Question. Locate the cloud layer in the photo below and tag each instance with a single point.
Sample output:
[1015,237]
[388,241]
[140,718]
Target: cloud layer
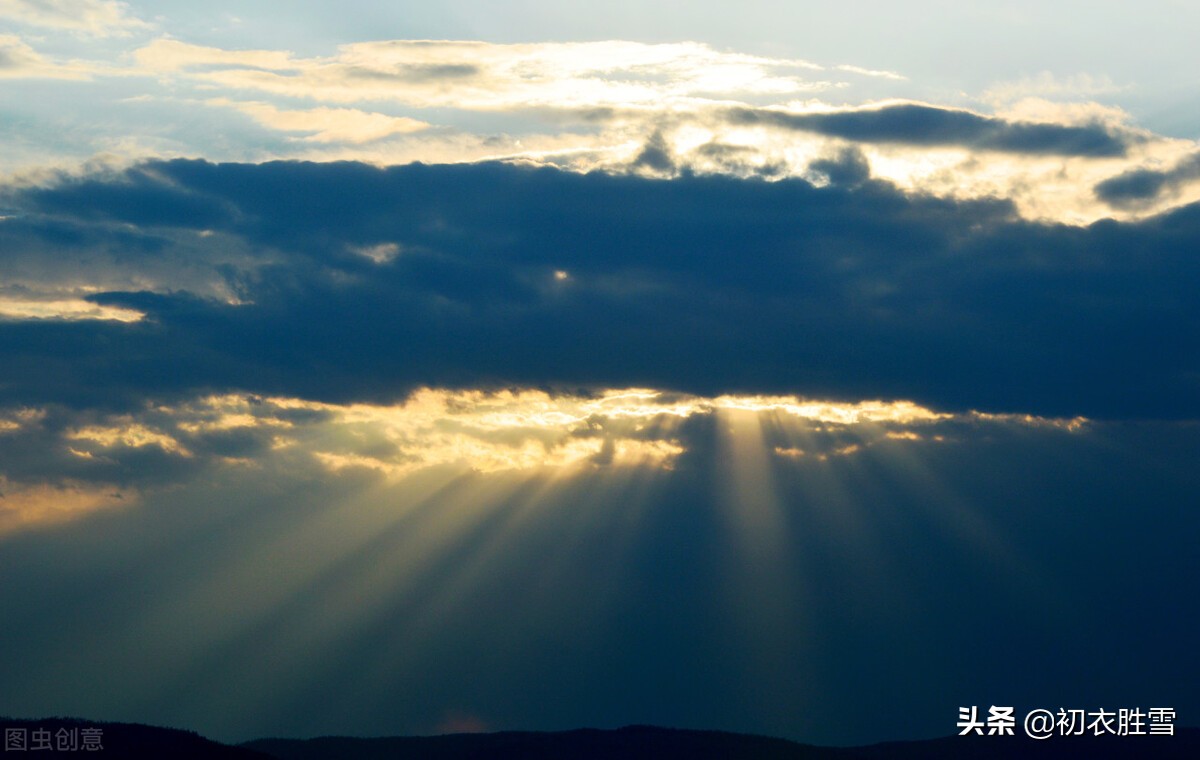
[253,277]
[606,105]
[98,18]
[484,76]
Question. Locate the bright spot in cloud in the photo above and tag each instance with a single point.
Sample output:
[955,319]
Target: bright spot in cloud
[132,434]
[523,429]
[901,412]
[380,253]
[70,309]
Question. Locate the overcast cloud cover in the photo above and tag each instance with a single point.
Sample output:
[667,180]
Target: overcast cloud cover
[409,372]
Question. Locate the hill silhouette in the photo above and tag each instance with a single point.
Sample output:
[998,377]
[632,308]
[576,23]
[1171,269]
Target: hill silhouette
[131,740]
[118,740]
[653,743]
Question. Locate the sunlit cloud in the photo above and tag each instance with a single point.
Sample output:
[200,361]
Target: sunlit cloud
[1153,176]
[31,505]
[485,76]
[483,431]
[28,414]
[1073,424]
[97,18]
[19,419]
[130,434]
[652,109]
[899,412]
[230,421]
[326,125]
[489,432]
[20,61]
[73,309]
[517,430]
[880,73]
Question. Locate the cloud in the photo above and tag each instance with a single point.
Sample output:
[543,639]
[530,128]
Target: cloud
[608,105]
[19,308]
[166,55]
[87,459]
[1143,187]
[655,156]
[923,125]
[97,18]
[484,76]
[347,125]
[54,264]
[20,61]
[705,284]
[849,167]
[27,505]
[872,72]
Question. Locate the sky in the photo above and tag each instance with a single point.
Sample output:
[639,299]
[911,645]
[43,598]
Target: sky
[810,371]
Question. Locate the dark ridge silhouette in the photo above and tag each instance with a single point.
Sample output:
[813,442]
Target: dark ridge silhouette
[1184,744]
[652,743]
[133,740]
[632,742]
[118,740]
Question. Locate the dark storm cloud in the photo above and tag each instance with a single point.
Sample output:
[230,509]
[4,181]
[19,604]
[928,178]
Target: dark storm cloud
[510,275]
[139,195]
[1140,187]
[656,155]
[849,167]
[911,124]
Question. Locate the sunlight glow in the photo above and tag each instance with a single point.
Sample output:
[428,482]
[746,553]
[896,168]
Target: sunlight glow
[624,435]
[485,76]
[24,505]
[72,309]
[493,431]
[326,124]
[132,435]
[900,412]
